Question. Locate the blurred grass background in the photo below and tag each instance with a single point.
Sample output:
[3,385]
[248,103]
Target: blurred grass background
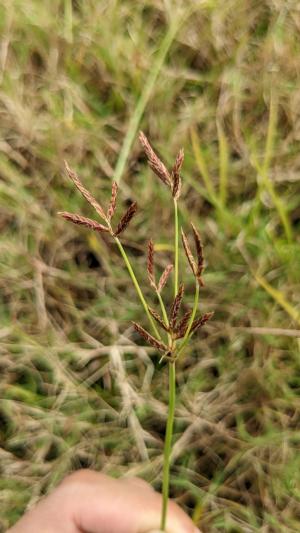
[78,79]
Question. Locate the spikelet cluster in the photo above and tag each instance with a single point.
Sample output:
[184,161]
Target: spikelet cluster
[174,325]
[105,215]
[172,179]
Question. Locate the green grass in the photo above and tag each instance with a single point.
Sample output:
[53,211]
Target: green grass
[78,79]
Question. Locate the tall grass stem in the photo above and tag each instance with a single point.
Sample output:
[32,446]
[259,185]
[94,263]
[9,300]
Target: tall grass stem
[176,247]
[172,389]
[168,444]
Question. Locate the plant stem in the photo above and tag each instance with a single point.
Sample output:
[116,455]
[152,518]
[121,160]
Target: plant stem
[137,287]
[176,247]
[164,313]
[163,309]
[168,444]
[195,307]
[172,388]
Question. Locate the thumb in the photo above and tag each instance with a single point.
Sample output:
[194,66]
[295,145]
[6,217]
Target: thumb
[107,505]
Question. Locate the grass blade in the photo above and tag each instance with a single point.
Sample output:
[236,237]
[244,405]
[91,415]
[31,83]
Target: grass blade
[223,163]
[144,99]
[263,169]
[279,297]
[201,163]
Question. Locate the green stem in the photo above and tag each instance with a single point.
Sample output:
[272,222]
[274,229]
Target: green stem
[172,387]
[137,287]
[176,247]
[195,307]
[168,444]
[163,309]
[165,316]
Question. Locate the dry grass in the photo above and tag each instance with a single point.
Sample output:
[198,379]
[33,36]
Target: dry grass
[76,390]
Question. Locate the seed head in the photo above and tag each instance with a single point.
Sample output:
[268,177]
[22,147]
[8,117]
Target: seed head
[197,267]
[113,201]
[188,252]
[199,251]
[159,345]
[126,218]
[158,319]
[176,306]
[199,322]
[150,264]
[83,221]
[175,174]
[154,162]
[85,193]
[164,277]
[181,328]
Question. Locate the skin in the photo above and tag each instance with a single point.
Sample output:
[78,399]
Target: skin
[91,502]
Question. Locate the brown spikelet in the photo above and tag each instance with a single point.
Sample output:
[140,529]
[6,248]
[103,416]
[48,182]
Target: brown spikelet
[113,200]
[176,306]
[182,325]
[199,322]
[159,345]
[164,277]
[175,174]
[154,162]
[199,251]
[150,264]
[158,319]
[85,193]
[188,253]
[83,221]
[126,218]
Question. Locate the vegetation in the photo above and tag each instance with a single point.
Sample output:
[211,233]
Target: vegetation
[167,342]
[78,387]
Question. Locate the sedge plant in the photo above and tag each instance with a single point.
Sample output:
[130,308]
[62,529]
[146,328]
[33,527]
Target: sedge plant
[169,331]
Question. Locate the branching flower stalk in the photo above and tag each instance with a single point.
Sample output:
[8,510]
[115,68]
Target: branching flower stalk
[175,331]
[137,286]
[100,228]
